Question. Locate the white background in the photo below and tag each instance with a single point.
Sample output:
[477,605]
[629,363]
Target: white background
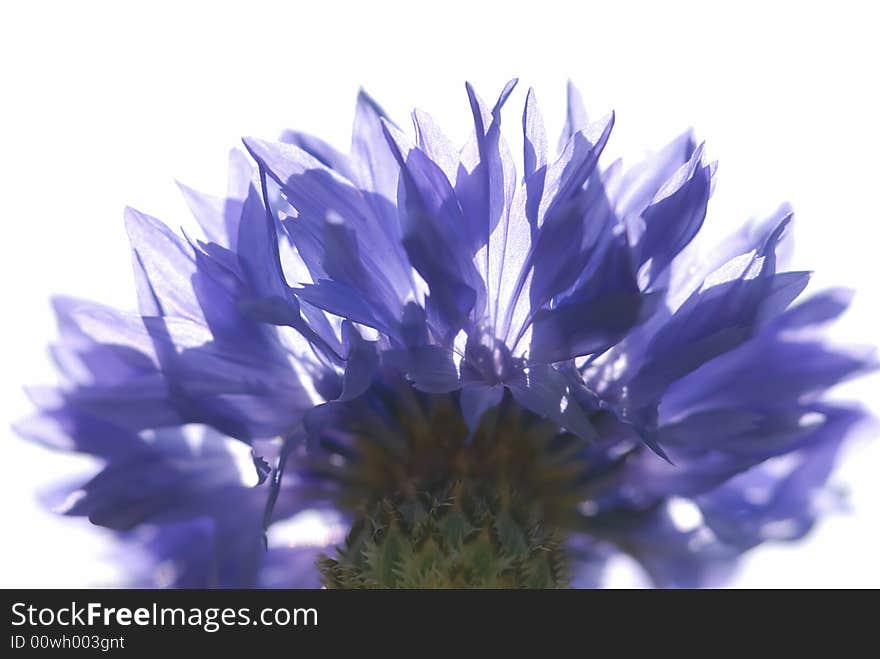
[104,104]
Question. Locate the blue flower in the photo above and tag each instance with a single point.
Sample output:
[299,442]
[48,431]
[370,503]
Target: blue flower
[411,326]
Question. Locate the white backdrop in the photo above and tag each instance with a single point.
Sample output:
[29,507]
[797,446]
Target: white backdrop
[104,104]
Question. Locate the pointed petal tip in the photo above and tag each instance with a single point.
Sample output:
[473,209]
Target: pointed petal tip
[785,210]
[22,427]
[365,100]
[134,218]
[190,194]
[843,295]
[651,443]
[252,143]
[63,302]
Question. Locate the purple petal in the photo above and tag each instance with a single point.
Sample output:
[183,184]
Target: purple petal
[675,215]
[770,504]
[575,116]
[476,400]
[362,362]
[433,239]
[545,391]
[327,155]
[640,184]
[430,368]
[166,267]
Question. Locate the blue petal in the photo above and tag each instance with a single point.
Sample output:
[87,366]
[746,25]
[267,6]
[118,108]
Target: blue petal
[576,118]
[545,391]
[534,156]
[570,172]
[362,362]
[219,217]
[714,321]
[769,504]
[152,372]
[258,251]
[476,400]
[377,176]
[672,558]
[431,139]
[344,262]
[675,215]
[572,225]
[604,301]
[640,184]
[198,553]
[773,369]
[486,192]
[344,301]
[167,265]
[320,194]
[375,163]
[327,155]
[69,429]
[430,368]
[583,326]
[433,240]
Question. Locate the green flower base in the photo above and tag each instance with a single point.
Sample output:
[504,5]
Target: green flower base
[455,539]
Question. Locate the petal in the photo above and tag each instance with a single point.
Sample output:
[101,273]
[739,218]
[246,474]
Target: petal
[166,267]
[711,323]
[675,215]
[570,172]
[778,501]
[362,362]
[485,190]
[717,319]
[476,400]
[534,157]
[433,239]
[545,391]
[431,139]
[321,151]
[584,326]
[68,429]
[567,241]
[575,116]
[258,251]
[163,480]
[219,216]
[375,163]
[671,557]
[319,194]
[640,184]
[430,368]
[572,222]
[378,175]
[344,301]
[769,371]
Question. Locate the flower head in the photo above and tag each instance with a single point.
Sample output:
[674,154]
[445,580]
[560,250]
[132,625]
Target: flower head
[457,359]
